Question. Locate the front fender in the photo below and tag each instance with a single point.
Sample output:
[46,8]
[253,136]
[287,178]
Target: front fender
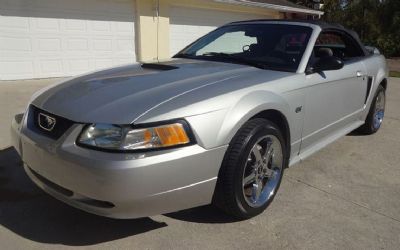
[246,108]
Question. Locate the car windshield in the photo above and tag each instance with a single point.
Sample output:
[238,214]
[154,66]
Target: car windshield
[267,46]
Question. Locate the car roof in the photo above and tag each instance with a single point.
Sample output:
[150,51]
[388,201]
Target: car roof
[322,24]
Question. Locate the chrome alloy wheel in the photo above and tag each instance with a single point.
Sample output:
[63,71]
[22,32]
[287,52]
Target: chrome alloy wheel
[379,110]
[263,171]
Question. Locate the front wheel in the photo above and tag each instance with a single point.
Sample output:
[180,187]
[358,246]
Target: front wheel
[376,113]
[252,169]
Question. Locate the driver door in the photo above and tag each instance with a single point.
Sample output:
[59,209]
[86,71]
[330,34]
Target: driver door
[334,99]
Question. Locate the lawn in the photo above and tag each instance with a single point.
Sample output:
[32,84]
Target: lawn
[394,74]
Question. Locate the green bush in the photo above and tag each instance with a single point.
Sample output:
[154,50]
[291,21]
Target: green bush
[389,45]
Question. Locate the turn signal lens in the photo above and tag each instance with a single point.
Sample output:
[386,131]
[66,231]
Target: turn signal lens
[172,135]
[156,137]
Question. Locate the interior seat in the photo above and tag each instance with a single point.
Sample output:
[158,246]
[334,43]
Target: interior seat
[323,52]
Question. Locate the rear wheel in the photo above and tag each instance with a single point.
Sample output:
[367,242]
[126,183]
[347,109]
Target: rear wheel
[376,113]
[252,169]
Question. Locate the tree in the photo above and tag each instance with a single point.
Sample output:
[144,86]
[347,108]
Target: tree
[334,10]
[376,21]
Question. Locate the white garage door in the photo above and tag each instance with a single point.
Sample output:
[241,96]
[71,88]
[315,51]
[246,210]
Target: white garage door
[53,38]
[188,24]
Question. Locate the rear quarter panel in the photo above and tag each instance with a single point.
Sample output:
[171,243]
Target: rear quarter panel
[376,67]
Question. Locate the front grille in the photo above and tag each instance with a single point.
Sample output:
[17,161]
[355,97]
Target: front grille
[55,132]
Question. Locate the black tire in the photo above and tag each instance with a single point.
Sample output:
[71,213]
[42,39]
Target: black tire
[369,128]
[229,195]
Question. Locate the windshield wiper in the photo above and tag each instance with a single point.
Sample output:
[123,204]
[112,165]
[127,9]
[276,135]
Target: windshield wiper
[184,55]
[234,59]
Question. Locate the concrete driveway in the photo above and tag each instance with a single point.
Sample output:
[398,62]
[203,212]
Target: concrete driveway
[347,196]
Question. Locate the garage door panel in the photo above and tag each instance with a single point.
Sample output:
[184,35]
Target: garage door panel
[102,45]
[16,24]
[47,24]
[124,27]
[189,24]
[77,44]
[70,9]
[103,63]
[51,66]
[125,45]
[16,66]
[46,38]
[75,26]
[15,43]
[49,45]
[78,65]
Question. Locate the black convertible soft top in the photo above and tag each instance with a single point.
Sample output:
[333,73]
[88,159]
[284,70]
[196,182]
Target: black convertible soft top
[323,25]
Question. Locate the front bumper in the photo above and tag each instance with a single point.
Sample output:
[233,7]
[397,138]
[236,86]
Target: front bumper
[114,184]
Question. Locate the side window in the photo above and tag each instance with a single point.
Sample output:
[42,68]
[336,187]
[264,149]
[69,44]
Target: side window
[340,45]
[330,39]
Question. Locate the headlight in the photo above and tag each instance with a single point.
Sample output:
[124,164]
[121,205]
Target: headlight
[127,138]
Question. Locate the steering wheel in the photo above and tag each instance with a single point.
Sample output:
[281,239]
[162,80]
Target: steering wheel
[246,48]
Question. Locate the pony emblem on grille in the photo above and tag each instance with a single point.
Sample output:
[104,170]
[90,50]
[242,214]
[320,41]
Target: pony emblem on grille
[46,122]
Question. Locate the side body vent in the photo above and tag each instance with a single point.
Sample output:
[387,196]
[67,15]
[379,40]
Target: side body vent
[369,86]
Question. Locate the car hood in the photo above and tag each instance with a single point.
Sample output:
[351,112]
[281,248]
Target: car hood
[121,95]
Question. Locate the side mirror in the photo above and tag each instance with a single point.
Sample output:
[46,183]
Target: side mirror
[327,63]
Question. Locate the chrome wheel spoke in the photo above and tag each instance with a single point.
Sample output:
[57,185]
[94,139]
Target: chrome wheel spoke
[269,150]
[268,159]
[257,153]
[256,191]
[249,179]
[269,172]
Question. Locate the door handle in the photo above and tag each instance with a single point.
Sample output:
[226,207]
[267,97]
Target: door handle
[359,74]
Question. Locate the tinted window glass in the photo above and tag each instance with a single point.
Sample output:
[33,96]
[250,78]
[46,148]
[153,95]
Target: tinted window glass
[342,46]
[232,42]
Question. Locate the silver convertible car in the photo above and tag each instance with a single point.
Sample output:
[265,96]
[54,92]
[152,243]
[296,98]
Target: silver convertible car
[218,123]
